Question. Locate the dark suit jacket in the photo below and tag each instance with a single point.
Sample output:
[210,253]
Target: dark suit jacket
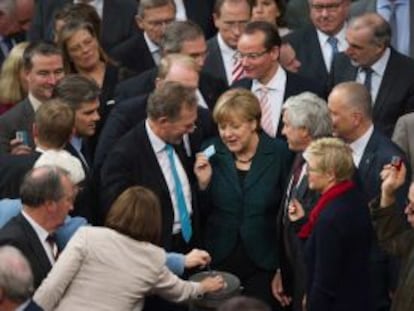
[396,93]
[118,21]
[12,170]
[295,84]
[33,306]
[201,13]
[20,234]
[132,162]
[363,6]
[20,37]
[134,54]
[129,113]
[248,211]
[214,63]
[19,118]
[309,54]
[337,254]
[291,253]
[144,83]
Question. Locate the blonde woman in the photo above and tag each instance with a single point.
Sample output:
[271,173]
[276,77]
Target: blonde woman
[13,87]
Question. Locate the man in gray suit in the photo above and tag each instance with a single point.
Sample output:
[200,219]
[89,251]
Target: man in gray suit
[230,18]
[43,68]
[403,17]
[385,72]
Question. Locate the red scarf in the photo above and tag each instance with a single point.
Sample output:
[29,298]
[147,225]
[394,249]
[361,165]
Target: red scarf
[324,200]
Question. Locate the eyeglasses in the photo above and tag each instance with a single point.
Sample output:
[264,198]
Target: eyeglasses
[250,56]
[330,7]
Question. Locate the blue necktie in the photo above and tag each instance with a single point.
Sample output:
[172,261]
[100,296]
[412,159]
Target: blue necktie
[333,42]
[368,77]
[186,230]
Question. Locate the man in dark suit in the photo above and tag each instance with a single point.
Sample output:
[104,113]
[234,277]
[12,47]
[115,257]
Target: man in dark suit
[142,51]
[126,114]
[384,71]
[305,118]
[43,68]
[184,38]
[350,107]
[404,22]
[117,20]
[324,38]
[172,112]
[53,128]
[230,17]
[47,195]
[16,281]
[259,51]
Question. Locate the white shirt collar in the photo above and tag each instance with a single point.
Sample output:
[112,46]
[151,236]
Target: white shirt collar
[34,102]
[358,146]
[379,66]
[225,49]
[385,3]
[151,44]
[276,83]
[340,35]
[156,142]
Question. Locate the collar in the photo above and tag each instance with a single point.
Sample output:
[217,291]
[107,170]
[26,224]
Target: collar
[156,142]
[383,4]
[358,146]
[275,84]
[225,49]
[379,66]
[76,142]
[340,35]
[152,46]
[34,102]
[40,231]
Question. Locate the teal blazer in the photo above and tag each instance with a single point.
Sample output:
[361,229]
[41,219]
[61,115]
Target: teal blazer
[248,210]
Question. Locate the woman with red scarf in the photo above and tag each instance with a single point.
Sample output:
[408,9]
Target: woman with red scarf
[337,231]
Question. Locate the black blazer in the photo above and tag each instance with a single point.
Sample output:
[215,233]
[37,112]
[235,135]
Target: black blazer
[118,21]
[144,83]
[396,92]
[201,12]
[20,37]
[132,162]
[134,54]
[129,113]
[214,63]
[309,54]
[20,234]
[12,171]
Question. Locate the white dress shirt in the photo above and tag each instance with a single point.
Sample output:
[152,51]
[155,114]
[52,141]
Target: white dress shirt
[276,94]
[34,102]
[227,54]
[158,145]
[377,74]
[153,48]
[326,48]
[358,146]
[180,13]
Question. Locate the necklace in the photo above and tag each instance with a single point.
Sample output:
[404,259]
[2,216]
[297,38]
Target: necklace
[244,161]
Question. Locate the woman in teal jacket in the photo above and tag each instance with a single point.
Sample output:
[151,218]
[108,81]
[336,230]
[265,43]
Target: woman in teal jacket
[241,187]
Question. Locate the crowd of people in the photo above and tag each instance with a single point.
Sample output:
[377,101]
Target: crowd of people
[144,140]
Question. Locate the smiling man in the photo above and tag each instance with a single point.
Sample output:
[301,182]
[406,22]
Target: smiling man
[258,48]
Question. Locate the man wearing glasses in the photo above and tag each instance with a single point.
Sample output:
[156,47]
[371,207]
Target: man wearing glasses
[318,43]
[258,50]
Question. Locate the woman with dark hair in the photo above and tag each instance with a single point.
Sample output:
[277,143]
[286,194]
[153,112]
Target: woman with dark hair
[271,11]
[113,268]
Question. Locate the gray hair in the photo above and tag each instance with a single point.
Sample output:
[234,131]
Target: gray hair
[42,184]
[168,99]
[378,27]
[8,6]
[179,32]
[309,111]
[151,4]
[16,278]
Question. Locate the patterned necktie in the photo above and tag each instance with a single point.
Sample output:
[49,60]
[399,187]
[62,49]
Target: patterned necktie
[393,23]
[333,42]
[266,120]
[186,229]
[237,72]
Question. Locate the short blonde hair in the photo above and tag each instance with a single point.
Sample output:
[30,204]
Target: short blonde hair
[240,103]
[332,155]
[11,87]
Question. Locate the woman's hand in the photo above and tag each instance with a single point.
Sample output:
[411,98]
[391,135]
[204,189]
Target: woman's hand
[202,170]
[212,283]
[295,210]
[197,257]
